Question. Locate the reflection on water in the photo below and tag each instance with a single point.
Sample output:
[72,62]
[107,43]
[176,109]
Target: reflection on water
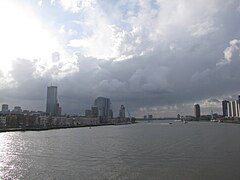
[147,150]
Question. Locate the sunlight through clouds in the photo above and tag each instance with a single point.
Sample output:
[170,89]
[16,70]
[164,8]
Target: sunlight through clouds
[23,35]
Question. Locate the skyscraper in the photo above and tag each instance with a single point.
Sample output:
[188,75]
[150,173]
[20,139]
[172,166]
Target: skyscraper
[229,108]
[237,108]
[233,109]
[103,105]
[122,112]
[4,108]
[95,111]
[225,108]
[197,111]
[52,104]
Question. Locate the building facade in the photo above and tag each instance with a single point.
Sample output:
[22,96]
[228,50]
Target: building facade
[229,108]
[197,111]
[104,108]
[52,104]
[233,109]
[237,108]
[225,108]
[122,112]
[4,108]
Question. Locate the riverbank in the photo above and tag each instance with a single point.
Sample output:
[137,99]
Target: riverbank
[230,121]
[59,127]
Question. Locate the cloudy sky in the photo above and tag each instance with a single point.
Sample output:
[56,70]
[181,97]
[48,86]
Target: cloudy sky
[157,57]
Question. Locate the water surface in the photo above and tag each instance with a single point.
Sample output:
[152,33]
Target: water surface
[155,150]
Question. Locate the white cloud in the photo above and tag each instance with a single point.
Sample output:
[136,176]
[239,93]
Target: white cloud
[230,51]
[127,29]
[40,3]
[77,5]
[24,36]
[52,1]
[234,47]
[202,28]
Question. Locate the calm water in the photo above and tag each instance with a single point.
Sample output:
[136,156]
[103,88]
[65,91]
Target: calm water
[141,151]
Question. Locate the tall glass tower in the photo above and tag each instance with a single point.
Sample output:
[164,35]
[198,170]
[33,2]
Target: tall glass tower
[197,111]
[103,105]
[52,104]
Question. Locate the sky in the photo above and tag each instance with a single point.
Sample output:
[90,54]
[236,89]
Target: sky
[156,57]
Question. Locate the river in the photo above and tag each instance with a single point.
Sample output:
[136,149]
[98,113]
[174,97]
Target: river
[146,150]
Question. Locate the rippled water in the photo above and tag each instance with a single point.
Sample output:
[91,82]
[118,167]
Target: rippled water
[153,150]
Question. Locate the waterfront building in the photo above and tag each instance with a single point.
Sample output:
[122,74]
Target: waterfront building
[122,112]
[88,113]
[197,111]
[17,110]
[94,111]
[5,108]
[150,116]
[103,105]
[3,121]
[110,114]
[59,110]
[52,104]
[229,108]
[178,117]
[237,108]
[233,109]
[225,108]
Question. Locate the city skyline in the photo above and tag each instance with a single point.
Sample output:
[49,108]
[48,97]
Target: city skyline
[155,57]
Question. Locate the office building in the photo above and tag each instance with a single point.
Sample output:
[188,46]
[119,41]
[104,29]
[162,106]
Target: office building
[122,112]
[17,110]
[225,108]
[197,111]
[110,114]
[150,116]
[52,104]
[95,111]
[88,113]
[238,105]
[59,110]
[233,109]
[237,108]
[4,108]
[229,108]
[103,104]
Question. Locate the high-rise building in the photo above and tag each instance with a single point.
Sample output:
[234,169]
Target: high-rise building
[229,108]
[94,111]
[122,112]
[197,111]
[110,114]
[233,109]
[225,108]
[17,110]
[237,108]
[103,104]
[88,113]
[52,104]
[5,108]
[238,105]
